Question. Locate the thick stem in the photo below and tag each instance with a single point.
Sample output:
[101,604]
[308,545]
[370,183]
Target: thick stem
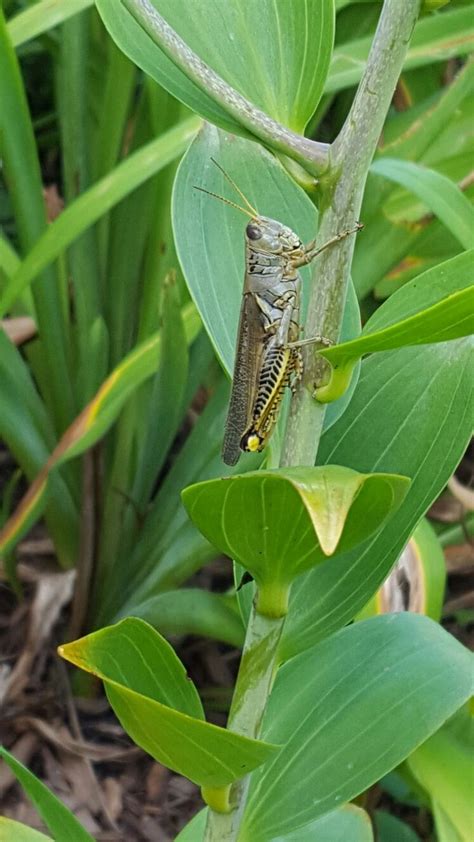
[313,156]
[342,192]
[254,683]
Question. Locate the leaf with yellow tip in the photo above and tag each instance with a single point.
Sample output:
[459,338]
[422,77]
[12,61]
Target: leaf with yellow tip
[158,705]
[280,523]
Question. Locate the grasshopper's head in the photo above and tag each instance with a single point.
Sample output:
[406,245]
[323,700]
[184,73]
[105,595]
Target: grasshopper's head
[262,233]
[269,235]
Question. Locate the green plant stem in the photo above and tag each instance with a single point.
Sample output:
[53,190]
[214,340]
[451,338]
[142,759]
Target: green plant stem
[342,191]
[254,683]
[312,155]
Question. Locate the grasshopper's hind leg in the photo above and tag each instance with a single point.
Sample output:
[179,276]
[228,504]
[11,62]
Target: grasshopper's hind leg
[296,371]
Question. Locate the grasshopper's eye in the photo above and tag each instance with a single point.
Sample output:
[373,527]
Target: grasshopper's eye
[253,231]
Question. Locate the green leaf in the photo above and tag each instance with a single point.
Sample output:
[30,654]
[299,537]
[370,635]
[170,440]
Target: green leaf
[11,830]
[445,830]
[59,820]
[391,829]
[427,126]
[192,611]
[411,413]
[170,548]
[90,425]
[444,767]
[9,259]
[95,202]
[358,713]
[210,239]
[21,172]
[27,430]
[346,823]
[194,830]
[293,518]
[435,38]
[434,307]
[165,397]
[436,191]
[159,706]
[158,673]
[42,16]
[263,52]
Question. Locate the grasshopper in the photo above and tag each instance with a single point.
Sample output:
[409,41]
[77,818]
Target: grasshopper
[268,354]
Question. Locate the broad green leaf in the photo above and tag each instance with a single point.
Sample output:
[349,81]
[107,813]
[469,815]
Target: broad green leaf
[42,16]
[264,53]
[435,38]
[438,193]
[192,611]
[444,767]
[341,825]
[194,830]
[347,824]
[359,711]
[95,202]
[391,829]
[434,307]
[11,830]
[159,707]
[134,654]
[294,518]
[94,420]
[57,818]
[445,830]
[411,413]
[210,235]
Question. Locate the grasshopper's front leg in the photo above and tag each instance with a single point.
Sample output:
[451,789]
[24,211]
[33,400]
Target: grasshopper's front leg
[310,250]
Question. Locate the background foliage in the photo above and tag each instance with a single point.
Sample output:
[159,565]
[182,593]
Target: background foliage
[134,288]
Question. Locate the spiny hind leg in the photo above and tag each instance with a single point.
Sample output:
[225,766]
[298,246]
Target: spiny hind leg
[296,371]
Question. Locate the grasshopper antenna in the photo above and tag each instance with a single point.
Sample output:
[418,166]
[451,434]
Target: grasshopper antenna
[237,189]
[227,201]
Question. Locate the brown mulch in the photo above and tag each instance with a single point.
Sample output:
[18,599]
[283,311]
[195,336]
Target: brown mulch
[73,742]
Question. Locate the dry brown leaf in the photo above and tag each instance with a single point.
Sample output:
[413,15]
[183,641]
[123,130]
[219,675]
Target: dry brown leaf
[446,509]
[462,493]
[53,201]
[113,797]
[22,749]
[53,592]
[155,781]
[61,738]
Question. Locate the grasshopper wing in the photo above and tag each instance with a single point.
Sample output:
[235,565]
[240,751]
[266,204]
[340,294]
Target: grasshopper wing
[250,342]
